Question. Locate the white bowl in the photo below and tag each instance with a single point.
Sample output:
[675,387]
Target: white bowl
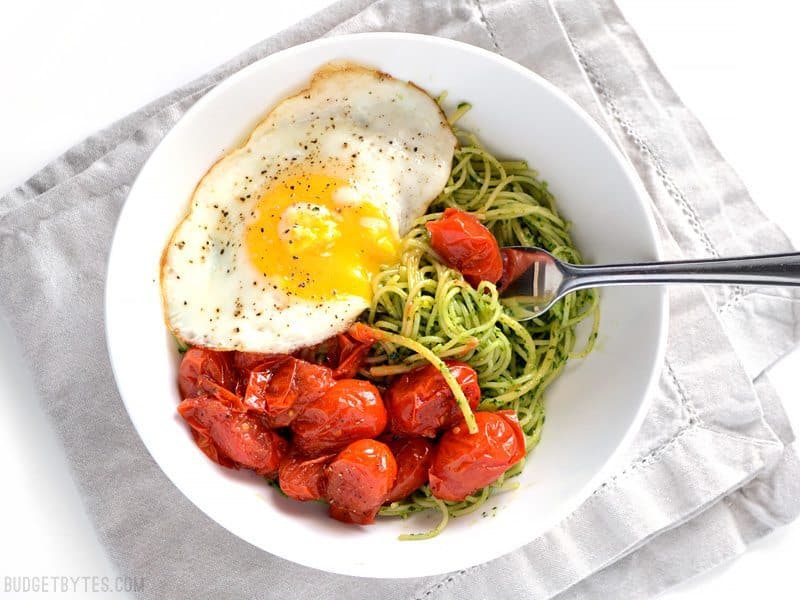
[592,410]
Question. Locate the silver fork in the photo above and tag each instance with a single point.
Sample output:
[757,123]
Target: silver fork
[547,279]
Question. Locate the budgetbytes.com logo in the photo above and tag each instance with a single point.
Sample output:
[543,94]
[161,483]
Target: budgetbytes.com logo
[62,584]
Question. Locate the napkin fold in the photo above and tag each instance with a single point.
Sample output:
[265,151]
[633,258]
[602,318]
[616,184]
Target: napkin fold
[712,469]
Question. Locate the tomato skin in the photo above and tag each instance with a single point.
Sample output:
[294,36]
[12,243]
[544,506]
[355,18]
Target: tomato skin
[359,480]
[464,462]
[350,410]
[246,361]
[241,439]
[347,356]
[313,380]
[206,444]
[464,244]
[282,387]
[208,387]
[303,478]
[343,353]
[421,403]
[413,457]
[347,353]
[270,387]
[202,361]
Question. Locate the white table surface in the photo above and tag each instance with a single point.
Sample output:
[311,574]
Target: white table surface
[71,68]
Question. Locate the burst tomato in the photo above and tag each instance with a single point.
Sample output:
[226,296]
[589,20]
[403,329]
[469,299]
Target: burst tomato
[304,478]
[413,457]
[464,244]
[240,438]
[347,355]
[280,388]
[359,480]
[465,462]
[350,410]
[421,403]
[201,361]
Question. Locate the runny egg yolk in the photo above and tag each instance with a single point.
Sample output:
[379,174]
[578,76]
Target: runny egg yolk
[314,238]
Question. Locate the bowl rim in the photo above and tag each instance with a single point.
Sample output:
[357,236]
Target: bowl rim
[578,497]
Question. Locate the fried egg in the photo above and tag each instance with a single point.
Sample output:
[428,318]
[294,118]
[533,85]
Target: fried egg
[284,234]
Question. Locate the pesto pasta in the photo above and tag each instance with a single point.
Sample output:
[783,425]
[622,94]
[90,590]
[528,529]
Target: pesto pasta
[428,308]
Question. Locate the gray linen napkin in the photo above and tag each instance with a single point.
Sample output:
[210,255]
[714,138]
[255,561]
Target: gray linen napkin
[711,470]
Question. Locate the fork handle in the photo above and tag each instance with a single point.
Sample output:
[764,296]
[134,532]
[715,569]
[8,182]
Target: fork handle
[772,269]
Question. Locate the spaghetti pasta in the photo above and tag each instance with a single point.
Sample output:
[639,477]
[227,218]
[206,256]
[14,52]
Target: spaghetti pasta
[427,308]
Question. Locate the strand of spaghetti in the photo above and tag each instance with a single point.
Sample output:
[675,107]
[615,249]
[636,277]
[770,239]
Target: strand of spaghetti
[433,532]
[388,370]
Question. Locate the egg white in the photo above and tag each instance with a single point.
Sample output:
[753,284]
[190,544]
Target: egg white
[387,138]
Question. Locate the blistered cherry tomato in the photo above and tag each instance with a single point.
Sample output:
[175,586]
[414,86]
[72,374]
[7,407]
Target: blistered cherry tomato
[464,462]
[515,263]
[421,403]
[281,388]
[346,355]
[304,478]
[347,352]
[359,480]
[270,387]
[413,457]
[350,410]
[241,438]
[201,361]
[464,244]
